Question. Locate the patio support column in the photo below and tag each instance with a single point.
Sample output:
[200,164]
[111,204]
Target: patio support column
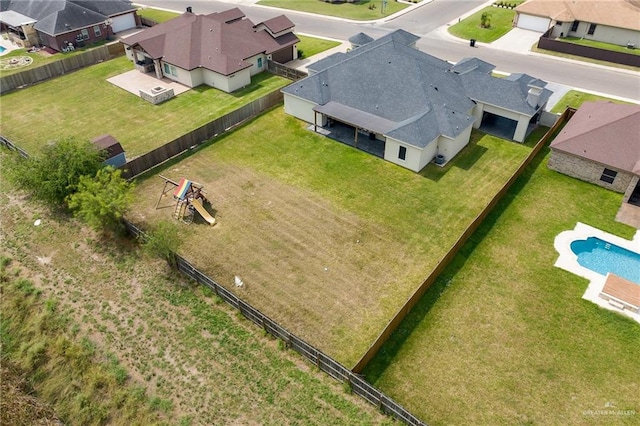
[156,63]
[355,138]
[315,121]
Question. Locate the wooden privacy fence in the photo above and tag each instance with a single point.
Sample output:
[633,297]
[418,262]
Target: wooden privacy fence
[285,71]
[548,43]
[62,66]
[200,135]
[448,257]
[358,385]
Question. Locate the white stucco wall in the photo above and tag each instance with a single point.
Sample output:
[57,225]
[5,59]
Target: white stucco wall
[451,147]
[254,64]
[226,83]
[299,108]
[415,158]
[604,33]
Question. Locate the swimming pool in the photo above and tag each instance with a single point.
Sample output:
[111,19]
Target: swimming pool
[602,257]
[2,49]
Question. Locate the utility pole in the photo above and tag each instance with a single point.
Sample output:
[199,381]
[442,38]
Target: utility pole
[384,5]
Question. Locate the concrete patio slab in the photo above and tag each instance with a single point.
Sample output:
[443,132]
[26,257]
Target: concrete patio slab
[133,81]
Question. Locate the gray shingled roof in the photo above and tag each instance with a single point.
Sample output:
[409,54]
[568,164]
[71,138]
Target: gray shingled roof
[220,42]
[423,96]
[360,39]
[509,93]
[390,81]
[60,16]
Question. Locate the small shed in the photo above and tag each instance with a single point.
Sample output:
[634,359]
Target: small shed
[115,153]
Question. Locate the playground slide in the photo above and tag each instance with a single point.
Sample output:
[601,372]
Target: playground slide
[197,203]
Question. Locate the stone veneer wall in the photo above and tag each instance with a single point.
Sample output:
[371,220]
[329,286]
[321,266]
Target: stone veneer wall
[586,170]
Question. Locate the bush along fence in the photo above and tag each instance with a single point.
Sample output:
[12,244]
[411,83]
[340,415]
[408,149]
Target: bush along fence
[54,69]
[448,257]
[356,383]
[200,135]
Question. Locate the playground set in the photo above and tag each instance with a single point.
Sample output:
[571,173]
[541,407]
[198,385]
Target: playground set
[189,198]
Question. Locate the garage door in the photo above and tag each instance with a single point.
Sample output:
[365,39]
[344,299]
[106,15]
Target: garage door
[283,56]
[123,22]
[534,23]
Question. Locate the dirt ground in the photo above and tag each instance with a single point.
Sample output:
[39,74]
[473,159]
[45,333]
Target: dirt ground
[322,273]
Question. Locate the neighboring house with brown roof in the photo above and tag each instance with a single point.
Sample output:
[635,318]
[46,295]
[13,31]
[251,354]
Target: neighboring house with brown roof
[609,21]
[222,50]
[601,145]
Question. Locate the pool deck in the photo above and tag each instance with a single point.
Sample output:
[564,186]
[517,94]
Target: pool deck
[569,262]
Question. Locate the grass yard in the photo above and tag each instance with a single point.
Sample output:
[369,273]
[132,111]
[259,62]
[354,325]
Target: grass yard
[358,11]
[40,58]
[599,44]
[501,23]
[574,99]
[157,14]
[83,104]
[165,341]
[310,46]
[328,240]
[503,337]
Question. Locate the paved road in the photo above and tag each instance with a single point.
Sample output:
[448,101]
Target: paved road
[424,21]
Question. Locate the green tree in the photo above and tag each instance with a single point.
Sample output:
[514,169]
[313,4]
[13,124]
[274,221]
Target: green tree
[101,201]
[164,241]
[485,20]
[54,174]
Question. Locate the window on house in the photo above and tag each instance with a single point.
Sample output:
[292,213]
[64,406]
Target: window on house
[259,62]
[608,175]
[167,69]
[96,31]
[402,153]
[85,34]
[592,29]
[574,25]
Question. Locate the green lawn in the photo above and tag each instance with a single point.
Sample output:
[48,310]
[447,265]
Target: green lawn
[310,46]
[574,99]
[360,11]
[94,304]
[501,23]
[503,336]
[41,58]
[408,221]
[95,107]
[599,45]
[157,14]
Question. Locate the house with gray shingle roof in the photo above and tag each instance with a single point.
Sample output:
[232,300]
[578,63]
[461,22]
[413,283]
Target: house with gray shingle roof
[222,50]
[416,105]
[601,144]
[64,24]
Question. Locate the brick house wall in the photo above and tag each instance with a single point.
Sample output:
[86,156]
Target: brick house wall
[588,171]
[77,38]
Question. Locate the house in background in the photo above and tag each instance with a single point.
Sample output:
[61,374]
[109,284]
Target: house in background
[411,107]
[222,50]
[65,24]
[601,145]
[609,21]
[115,152]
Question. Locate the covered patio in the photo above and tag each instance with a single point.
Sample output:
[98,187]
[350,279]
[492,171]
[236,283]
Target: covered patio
[346,134]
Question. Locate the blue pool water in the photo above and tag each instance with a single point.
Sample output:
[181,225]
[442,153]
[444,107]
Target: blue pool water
[2,49]
[602,257]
